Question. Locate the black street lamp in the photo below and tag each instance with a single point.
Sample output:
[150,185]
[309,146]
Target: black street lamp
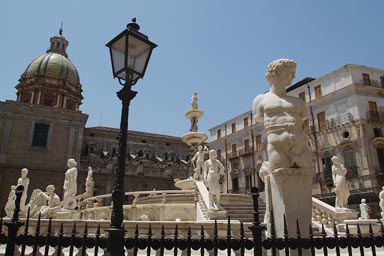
[130,52]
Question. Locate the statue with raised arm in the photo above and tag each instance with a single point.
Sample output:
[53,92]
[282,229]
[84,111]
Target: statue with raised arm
[70,185]
[289,158]
[24,181]
[215,170]
[341,186]
[89,186]
[198,162]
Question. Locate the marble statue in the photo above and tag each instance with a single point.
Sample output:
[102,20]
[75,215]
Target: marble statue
[381,203]
[70,185]
[36,202]
[194,101]
[24,181]
[194,119]
[289,158]
[215,169]
[198,162]
[89,186]
[53,202]
[364,209]
[341,185]
[10,205]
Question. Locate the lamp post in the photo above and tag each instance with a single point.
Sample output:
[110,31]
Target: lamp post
[130,53]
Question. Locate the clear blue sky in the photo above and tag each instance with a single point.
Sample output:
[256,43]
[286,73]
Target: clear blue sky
[218,48]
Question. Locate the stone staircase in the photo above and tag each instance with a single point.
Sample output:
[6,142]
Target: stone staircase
[240,207]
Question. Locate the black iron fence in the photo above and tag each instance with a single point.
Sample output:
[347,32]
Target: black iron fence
[17,239]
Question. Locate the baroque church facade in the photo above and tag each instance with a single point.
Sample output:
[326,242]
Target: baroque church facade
[44,127]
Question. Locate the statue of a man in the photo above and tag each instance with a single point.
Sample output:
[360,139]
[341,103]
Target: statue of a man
[23,180]
[194,100]
[289,158]
[10,205]
[53,202]
[198,162]
[70,185]
[341,185]
[215,169]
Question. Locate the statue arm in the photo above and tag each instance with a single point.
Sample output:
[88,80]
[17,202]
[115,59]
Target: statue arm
[257,110]
[221,168]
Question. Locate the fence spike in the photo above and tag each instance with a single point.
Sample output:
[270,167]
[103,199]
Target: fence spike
[175,244]
[1,221]
[202,241]
[162,240]
[136,240]
[97,240]
[272,226]
[359,235]
[229,236]
[335,234]
[85,240]
[60,239]
[311,239]
[73,236]
[324,236]
[189,241]
[348,235]
[25,235]
[372,240]
[48,237]
[149,240]
[286,247]
[36,237]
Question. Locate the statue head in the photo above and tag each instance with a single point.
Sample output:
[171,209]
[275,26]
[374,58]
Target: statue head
[212,154]
[50,189]
[363,200]
[282,70]
[71,163]
[199,148]
[335,160]
[24,172]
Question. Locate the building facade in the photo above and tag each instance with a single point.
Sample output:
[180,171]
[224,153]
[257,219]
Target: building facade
[44,127]
[345,118]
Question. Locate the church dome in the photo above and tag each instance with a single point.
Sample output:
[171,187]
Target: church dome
[53,65]
[51,79]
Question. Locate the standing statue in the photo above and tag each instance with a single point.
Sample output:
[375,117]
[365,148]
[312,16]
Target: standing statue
[70,185]
[194,101]
[364,209]
[194,119]
[215,169]
[381,203]
[53,202]
[24,181]
[10,205]
[198,162]
[89,186]
[289,158]
[341,185]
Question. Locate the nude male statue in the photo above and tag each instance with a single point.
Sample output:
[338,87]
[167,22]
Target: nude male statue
[198,162]
[215,169]
[289,168]
[283,116]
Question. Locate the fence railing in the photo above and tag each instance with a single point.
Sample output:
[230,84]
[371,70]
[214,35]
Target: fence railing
[182,240]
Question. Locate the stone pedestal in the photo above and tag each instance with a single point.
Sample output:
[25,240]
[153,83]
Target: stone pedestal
[291,195]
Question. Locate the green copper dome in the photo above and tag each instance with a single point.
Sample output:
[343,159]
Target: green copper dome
[53,65]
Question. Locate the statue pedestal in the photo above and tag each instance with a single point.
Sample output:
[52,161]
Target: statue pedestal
[291,196]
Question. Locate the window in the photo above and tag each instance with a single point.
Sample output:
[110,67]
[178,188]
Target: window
[218,134]
[366,79]
[305,126]
[234,150]
[40,135]
[374,113]
[377,132]
[246,122]
[246,146]
[318,92]
[350,161]
[259,146]
[382,81]
[321,121]
[219,154]
[302,96]
[380,156]
[233,127]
